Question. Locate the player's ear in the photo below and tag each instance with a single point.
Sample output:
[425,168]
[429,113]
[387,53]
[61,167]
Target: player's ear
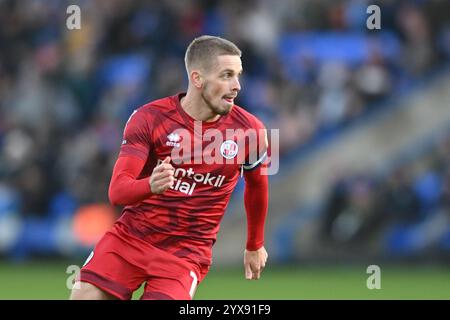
[197,79]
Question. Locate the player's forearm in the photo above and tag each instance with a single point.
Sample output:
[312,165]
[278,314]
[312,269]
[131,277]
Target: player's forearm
[256,196]
[125,188]
[127,191]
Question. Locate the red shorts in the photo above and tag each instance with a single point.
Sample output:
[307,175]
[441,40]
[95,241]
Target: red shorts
[120,263]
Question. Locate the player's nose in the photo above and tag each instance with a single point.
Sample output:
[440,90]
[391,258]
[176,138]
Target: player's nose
[236,86]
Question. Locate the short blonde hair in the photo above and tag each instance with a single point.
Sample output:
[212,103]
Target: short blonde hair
[202,50]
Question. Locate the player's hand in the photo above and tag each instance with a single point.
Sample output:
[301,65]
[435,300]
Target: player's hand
[254,263]
[162,177]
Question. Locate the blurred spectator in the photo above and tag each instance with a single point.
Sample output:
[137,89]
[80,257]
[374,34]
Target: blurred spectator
[408,208]
[351,214]
[400,202]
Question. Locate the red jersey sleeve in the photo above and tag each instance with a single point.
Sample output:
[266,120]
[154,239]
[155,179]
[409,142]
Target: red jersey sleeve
[256,192]
[256,198]
[137,139]
[125,188]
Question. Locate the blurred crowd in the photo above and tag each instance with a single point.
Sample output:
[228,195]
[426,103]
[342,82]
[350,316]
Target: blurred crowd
[405,211]
[65,95]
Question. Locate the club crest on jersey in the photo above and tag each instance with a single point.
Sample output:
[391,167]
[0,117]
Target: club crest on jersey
[229,149]
[174,140]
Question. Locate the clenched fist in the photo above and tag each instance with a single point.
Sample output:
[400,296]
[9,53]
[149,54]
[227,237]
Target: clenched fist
[254,263]
[162,177]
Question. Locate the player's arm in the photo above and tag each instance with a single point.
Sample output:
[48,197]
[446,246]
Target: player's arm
[125,187]
[256,195]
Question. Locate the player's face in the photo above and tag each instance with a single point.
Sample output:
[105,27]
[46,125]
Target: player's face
[221,85]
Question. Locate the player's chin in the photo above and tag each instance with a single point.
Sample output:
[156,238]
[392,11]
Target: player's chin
[225,108]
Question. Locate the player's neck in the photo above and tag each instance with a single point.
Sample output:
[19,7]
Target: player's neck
[197,109]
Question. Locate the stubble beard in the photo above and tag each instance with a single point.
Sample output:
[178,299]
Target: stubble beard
[214,109]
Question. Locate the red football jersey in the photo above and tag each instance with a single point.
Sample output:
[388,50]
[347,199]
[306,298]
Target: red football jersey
[184,220]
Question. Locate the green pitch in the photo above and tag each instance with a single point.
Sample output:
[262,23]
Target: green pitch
[48,281]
